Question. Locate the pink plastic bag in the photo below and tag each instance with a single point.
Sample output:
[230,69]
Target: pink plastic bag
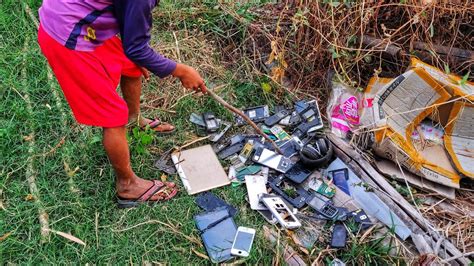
[343,110]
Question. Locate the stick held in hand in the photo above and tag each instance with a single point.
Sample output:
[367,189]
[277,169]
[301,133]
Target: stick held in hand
[246,118]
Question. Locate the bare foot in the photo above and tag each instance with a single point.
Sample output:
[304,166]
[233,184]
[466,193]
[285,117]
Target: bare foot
[134,189]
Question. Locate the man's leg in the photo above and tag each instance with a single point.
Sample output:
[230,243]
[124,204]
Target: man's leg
[131,90]
[129,186]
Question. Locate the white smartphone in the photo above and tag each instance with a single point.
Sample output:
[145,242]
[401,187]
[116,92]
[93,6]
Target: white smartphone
[243,242]
[273,160]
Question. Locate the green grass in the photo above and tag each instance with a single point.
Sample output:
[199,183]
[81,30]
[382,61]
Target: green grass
[77,212]
[81,202]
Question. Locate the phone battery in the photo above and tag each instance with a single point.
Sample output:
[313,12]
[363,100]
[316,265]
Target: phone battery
[339,236]
[340,178]
[361,217]
[279,133]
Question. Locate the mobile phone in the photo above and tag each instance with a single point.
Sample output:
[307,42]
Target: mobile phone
[323,206]
[296,196]
[212,125]
[273,160]
[277,117]
[256,114]
[243,242]
[298,173]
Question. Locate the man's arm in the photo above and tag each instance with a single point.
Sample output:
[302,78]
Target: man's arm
[135,22]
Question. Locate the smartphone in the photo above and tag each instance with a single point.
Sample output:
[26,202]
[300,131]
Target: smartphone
[323,206]
[243,242]
[273,160]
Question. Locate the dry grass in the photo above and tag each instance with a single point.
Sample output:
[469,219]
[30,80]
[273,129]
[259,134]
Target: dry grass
[191,48]
[308,42]
[453,218]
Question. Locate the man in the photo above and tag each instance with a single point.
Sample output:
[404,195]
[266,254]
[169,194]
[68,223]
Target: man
[79,40]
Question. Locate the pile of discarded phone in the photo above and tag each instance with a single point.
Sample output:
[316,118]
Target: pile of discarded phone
[279,186]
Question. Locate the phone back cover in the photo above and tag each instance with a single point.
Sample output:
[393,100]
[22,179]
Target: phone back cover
[217,239]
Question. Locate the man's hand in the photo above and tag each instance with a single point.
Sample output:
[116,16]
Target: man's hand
[145,73]
[190,78]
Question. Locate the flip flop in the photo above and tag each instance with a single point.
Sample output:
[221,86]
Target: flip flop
[157,187]
[155,123]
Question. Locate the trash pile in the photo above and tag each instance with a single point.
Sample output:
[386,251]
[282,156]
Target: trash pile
[295,189]
[307,179]
[421,121]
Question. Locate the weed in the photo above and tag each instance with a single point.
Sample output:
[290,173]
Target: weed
[140,139]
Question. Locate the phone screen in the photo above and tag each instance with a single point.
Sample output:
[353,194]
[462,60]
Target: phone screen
[243,241]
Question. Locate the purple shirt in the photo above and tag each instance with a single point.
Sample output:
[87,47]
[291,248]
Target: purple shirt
[83,25]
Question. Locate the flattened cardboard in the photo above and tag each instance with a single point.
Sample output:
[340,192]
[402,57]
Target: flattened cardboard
[459,139]
[395,151]
[399,107]
[390,169]
[407,100]
[199,169]
[449,81]
[367,118]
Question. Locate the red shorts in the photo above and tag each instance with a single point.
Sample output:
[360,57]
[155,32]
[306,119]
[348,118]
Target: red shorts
[89,80]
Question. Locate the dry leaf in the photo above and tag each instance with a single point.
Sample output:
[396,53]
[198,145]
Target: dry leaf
[199,254]
[5,236]
[29,197]
[164,178]
[69,171]
[28,138]
[273,53]
[68,236]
